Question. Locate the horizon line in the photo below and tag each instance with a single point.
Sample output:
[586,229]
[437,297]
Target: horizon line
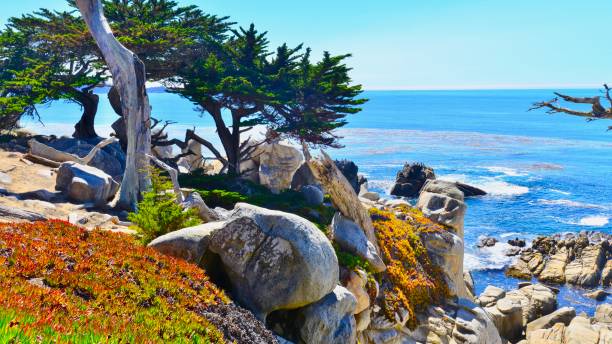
[500,87]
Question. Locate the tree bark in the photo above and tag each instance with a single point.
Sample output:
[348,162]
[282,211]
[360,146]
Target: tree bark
[128,73]
[84,129]
[114,98]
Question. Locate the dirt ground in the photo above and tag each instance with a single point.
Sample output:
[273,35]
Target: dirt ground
[30,186]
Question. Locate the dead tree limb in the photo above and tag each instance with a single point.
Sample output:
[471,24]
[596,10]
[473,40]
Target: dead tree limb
[129,77]
[48,153]
[173,177]
[598,111]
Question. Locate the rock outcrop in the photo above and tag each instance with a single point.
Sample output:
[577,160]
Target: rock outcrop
[329,320]
[350,171]
[442,202]
[85,184]
[352,239]
[274,260]
[277,166]
[583,260]
[411,179]
[342,194]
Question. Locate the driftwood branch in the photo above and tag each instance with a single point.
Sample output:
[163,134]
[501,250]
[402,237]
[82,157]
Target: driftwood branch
[48,155]
[173,176]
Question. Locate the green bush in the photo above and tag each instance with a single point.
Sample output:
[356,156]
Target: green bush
[222,198]
[225,191]
[158,213]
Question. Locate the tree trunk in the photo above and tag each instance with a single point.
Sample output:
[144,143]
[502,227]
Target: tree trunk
[234,161]
[84,129]
[114,98]
[129,76]
[227,140]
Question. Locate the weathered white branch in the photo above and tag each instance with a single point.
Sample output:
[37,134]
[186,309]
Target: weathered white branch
[49,153]
[173,177]
[129,77]
[342,194]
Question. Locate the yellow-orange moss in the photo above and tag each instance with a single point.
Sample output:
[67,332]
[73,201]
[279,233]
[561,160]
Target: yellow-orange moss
[411,281]
[62,283]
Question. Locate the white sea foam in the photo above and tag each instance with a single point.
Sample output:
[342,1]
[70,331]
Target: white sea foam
[383,184]
[569,203]
[510,234]
[488,258]
[511,172]
[494,186]
[594,221]
[502,188]
[561,192]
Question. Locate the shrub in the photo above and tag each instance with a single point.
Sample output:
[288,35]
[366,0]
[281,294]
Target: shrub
[222,198]
[158,213]
[411,281]
[61,283]
[225,191]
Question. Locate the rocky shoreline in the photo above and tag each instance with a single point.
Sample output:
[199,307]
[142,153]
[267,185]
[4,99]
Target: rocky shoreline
[383,271]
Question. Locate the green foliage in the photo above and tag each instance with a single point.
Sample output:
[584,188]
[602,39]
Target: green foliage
[225,191]
[98,287]
[221,198]
[158,213]
[351,261]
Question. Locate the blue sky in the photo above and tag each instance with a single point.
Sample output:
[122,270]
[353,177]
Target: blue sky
[436,44]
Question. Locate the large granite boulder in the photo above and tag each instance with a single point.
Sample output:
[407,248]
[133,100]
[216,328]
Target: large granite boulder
[274,260]
[351,238]
[446,251]
[507,315]
[536,300]
[110,159]
[277,165]
[473,325]
[442,202]
[411,179]
[562,315]
[85,184]
[554,270]
[329,320]
[190,244]
[350,171]
[302,177]
[490,296]
[586,270]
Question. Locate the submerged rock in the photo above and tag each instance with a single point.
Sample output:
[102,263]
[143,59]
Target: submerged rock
[486,242]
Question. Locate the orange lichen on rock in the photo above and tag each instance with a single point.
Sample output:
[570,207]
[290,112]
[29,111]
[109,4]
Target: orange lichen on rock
[63,283]
[411,282]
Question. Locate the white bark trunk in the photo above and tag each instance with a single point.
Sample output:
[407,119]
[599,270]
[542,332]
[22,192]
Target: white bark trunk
[129,77]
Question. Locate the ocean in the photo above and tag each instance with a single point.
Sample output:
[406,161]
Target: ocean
[544,173]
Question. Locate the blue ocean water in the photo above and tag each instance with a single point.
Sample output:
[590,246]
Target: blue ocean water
[544,174]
